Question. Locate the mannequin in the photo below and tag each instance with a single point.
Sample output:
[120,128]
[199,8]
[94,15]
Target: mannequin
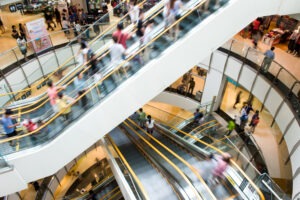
[293,39]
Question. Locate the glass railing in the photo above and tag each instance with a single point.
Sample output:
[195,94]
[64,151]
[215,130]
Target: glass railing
[3,163]
[103,63]
[53,124]
[277,74]
[53,66]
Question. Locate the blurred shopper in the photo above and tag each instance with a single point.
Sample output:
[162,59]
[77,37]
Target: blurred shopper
[220,168]
[94,64]
[150,124]
[83,53]
[206,168]
[15,33]
[191,86]
[49,19]
[79,83]
[22,46]
[237,99]
[121,36]
[117,51]
[198,115]
[63,102]
[140,27]
[52,94]
[58,17]
[77,28]
[243,118]
[254,121]
[269,57]
[230,127]
[65,25]
[9,125]
[146,39]
[297,47]
[22,31]
[2,26]
[142,118]
[133,10]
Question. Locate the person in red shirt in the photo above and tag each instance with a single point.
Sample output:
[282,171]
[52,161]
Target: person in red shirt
[122,37]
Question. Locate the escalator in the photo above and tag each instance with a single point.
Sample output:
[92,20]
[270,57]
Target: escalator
[122,90]
[155,184]
[221,191]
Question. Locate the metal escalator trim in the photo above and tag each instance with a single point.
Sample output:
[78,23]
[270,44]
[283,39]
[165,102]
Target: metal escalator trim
[176,187]
[203,125]
[109,193]
[134,176]
[168,160]
[192,168]
[93,40]
[114,195]
[231,160]
[208,127]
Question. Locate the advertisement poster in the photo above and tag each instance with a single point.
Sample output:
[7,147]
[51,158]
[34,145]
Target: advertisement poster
[38,34]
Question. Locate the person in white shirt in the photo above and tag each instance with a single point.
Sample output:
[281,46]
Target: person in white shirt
[133,11]
[116,52]
[150,124]
[146,39]
[77,28]
[83,53]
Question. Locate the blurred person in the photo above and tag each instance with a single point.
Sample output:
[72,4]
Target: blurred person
[94,64]
[58,17]
[191,86]
[63,102]
[142,118]
[140,27]
[65,25]
[83,53]
[22,31]
[30,125]
[116,52]
[150,124]
[269,57]
[36,186]
[52,94]
[243,118]
[77,28]
[2,26]
[49,19]
[237,99]
[230,127]
[121,37]
[207,167]
[133,10]
[146,39]
[254,120]
[198,115]
[9,126]
[221,166]
[15,33]
[22,46]
[79,84]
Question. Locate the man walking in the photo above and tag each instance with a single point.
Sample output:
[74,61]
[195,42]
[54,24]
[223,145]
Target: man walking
[269,57]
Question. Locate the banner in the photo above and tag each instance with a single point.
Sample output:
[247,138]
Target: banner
[38,34]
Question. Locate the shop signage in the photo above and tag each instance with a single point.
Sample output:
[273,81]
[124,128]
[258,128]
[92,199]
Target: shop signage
[38,34]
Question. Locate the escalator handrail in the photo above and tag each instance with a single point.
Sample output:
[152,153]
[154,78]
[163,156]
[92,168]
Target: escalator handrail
[151,15]
[195,130]
[93,40]
[134,176]
[232,161]
[181,173]
[113,196]
[109,193]
[192,168]
[116,69]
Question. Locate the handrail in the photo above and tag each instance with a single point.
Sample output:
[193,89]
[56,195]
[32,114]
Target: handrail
[134,176]
[79,69]
[201,125]
[232,161]
[68,60]
[116,69]
[114,195]
[192,168]
[167,160]
[107,194]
